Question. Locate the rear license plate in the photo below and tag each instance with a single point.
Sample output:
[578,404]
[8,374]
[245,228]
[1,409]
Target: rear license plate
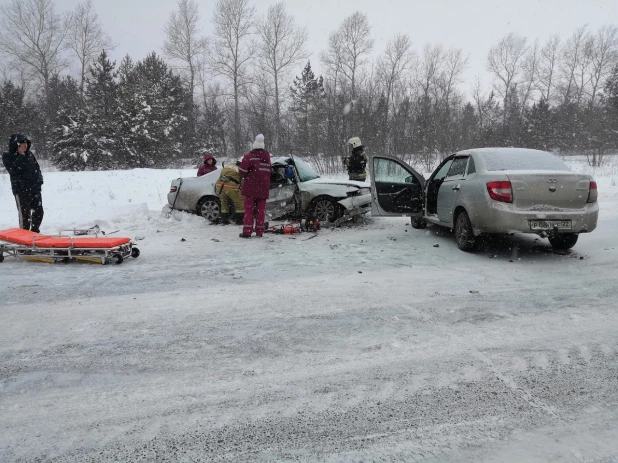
[550,224]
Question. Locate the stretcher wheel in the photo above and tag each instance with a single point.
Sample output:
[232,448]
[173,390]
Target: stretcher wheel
[118,259]
[135,253]
[1,257]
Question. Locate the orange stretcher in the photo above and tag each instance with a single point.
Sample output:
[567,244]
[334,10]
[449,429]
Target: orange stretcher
[64,248]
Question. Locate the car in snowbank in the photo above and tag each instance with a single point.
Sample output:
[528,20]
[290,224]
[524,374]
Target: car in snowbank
[302,191]
[490,191]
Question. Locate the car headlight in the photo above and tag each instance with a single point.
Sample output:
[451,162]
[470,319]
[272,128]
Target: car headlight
[359,192]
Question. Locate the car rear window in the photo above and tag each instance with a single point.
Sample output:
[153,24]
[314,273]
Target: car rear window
[521,160]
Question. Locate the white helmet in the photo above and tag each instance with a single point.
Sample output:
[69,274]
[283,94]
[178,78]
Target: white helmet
[355,142]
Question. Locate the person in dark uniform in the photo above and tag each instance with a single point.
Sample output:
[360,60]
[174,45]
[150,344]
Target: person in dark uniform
[26,181]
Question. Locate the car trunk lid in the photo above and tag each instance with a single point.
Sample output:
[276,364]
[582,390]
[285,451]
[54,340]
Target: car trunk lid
[549,190]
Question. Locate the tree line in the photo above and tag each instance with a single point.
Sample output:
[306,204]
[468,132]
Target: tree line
[252,74]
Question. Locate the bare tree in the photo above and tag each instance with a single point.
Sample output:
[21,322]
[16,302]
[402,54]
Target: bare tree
[505,62]
[183,41]
[429,69]
[479,98]
[86,37]
[233,51]
[530,75]
[572,55]
[392,66]
[604,58]
[548,68]
[282,45]
[454,64]
[32,35]
[354,46]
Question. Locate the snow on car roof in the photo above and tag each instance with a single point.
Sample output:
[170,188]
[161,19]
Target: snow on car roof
[522,159]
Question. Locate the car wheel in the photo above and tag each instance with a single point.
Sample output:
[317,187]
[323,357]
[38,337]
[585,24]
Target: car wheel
[209,208]
[464,233]
[563,240]
[418,222]
[325,209]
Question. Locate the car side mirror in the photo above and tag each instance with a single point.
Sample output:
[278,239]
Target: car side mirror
[409,179]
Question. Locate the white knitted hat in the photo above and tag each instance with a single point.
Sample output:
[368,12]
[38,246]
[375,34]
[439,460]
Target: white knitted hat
[259,142]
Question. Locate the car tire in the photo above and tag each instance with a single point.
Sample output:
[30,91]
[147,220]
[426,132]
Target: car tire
[325,209]
[563,241]
[464,233]
[418,222]
[209,207]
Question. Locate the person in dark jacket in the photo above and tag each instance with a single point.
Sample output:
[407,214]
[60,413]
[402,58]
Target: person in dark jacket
[26,181]
[210,165]
[255,169]
[357,161]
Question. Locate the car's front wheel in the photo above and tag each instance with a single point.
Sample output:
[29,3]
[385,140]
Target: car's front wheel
[325,209]
[563,240]
[209,207]
[464,233]
[418,222]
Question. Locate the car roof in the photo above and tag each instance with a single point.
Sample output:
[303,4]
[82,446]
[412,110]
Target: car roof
[501,159]
[280,160]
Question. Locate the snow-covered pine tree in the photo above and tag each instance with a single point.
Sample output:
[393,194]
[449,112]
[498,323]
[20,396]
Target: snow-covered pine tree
[152,105]
[538,133]
[467,128]
[101,124]
[68,141]
[16,115]
[308,99]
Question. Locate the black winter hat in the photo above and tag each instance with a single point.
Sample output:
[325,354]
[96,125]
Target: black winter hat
[20,138]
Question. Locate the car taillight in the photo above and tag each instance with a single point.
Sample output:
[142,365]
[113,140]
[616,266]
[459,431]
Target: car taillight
[500,191]
[173,189]
[593,192]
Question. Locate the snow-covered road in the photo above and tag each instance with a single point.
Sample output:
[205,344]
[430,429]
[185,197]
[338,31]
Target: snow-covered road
[366,343]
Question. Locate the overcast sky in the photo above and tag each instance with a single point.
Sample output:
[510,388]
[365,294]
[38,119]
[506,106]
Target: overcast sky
[473,25]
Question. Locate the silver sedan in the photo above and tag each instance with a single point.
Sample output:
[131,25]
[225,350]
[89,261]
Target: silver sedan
[490,191]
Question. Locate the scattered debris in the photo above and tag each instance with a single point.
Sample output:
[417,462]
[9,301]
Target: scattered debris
[581,257]
[140,238]
[473,291]
[360,271]
[182,239]
[215,240]
[436,245]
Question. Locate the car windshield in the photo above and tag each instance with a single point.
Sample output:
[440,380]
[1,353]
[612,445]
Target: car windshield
[305,170]
[521,160]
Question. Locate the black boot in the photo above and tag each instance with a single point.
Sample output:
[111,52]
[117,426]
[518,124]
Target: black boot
[238,218]
[225,218]
[242,235]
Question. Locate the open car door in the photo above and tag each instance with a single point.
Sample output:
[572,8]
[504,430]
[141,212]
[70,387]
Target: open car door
[282,193]
[396,188]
